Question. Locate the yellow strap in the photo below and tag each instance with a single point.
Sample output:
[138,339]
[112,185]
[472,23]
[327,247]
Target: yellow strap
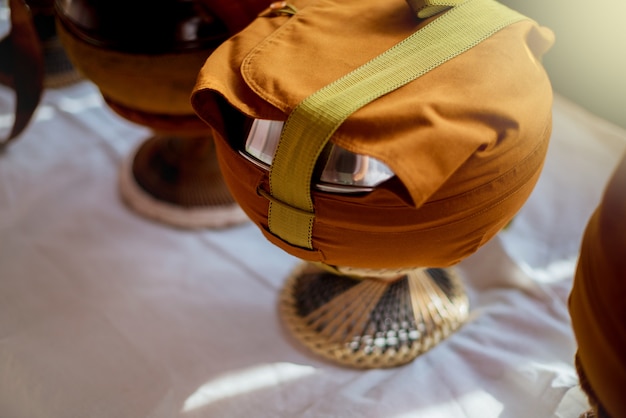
[314,120]
[428,8]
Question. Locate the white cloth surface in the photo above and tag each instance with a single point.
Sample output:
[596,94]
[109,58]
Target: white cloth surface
[105,314]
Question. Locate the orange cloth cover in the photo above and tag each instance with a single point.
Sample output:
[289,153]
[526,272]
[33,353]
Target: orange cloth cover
[466,141]
[597,301]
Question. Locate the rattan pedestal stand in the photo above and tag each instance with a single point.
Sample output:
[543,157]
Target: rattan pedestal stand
[373,321]
[176,180]
[174,177]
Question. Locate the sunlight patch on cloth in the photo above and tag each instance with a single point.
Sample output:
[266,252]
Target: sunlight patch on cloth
[478,400]
[556,271]
[246,381]
[69,105]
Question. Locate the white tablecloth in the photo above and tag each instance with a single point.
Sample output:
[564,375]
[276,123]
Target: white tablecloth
[104,313]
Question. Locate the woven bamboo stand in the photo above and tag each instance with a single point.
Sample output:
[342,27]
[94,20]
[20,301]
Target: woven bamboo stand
[59,71]
[375,321]
[176,180]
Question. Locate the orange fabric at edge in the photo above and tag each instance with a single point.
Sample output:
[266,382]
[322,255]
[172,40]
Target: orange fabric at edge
[597,300]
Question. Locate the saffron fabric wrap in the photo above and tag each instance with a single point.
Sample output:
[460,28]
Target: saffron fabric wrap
[596,302]
[466,141]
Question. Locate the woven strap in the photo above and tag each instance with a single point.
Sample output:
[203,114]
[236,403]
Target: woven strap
[428,8]
[314,120]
